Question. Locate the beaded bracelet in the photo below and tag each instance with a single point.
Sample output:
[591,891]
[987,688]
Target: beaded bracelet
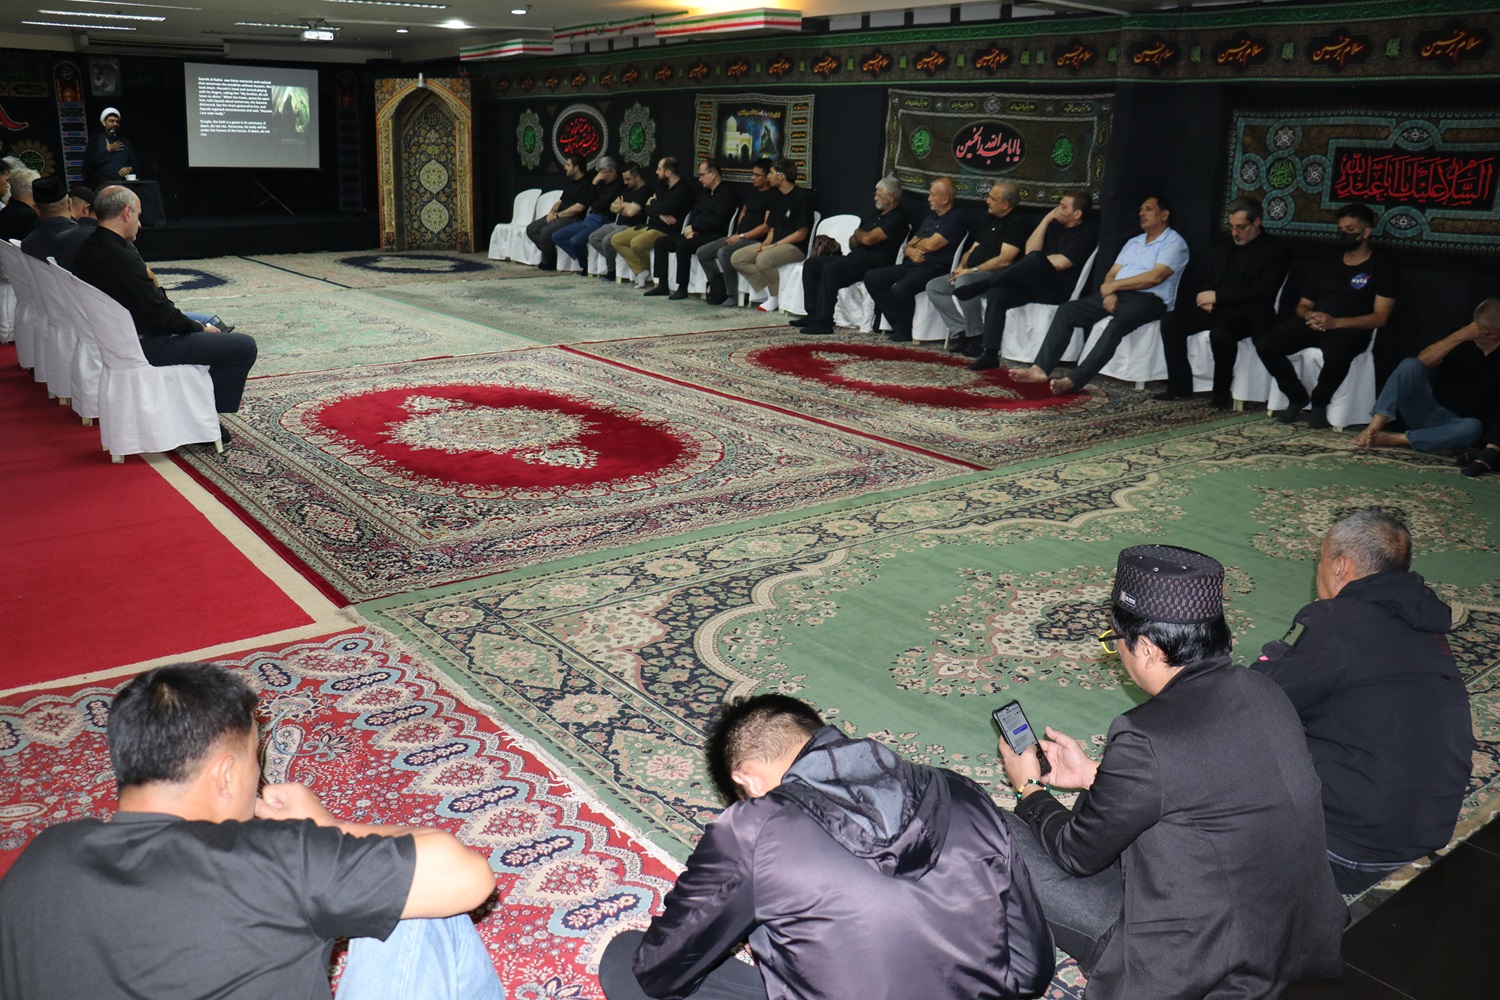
[1021,792]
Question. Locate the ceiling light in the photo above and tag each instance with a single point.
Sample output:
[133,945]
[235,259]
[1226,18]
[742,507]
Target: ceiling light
[122,3]
[520,10]
[394,3]
[86,27]
[453,23]
[264,24]
[112,17]
[402,31]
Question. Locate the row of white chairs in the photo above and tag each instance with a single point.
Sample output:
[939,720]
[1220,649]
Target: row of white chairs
[82,346]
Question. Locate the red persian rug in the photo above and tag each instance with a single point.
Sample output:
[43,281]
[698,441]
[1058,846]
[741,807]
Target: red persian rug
[918,397]
[382,739]
[391,478]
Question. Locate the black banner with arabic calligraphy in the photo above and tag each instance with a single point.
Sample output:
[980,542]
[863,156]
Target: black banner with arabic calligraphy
[738,129]
[1430,176]
[1046,144]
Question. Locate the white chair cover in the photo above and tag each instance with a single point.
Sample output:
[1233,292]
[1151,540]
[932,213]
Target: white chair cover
[522,250]
[7,310]
[855,307]
[1026,326]
[143,408]
[27,316]
[522,213]
[1140,357]
[61,331]
[791,297]
[1352,401]
[926,324]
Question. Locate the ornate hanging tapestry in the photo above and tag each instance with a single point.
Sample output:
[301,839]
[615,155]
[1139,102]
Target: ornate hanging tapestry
[739,129]
[1047,145]
[1429,176]
[424,151]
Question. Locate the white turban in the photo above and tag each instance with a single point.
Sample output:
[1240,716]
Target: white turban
[106,113]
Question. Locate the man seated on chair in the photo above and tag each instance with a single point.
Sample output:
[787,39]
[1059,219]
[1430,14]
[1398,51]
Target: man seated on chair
[51,197]
[870,246]
[1447,394]
[665,213]
[569,208]
[1047,273]
[1239,302]
[107,261]
[1352,297]
[997,246]
[627,208]
[788,227]
[19,214]
[573,239]
[1140,287]
[1191,864]
[750,225]
[81,207]
[851,871]
[1382,700]
[204,884]
[927,254]
[713,212]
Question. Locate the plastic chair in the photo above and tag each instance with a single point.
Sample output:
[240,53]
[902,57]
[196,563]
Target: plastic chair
[1352,401]
[522,250]
[144,408]
[1026,325]
[60,332]
[522,213]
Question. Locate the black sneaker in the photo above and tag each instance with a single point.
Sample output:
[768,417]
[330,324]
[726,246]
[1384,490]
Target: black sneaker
[678,295]
[1317,418]
[957,345]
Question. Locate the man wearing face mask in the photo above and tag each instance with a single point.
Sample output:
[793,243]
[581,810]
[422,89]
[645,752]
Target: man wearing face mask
[1352,296]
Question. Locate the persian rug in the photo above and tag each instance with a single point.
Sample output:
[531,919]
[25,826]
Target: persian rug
[372,268]
[309,331]
[567,308]
[920,397]
[387,479]
[382,739]
[908,618]
[227,277]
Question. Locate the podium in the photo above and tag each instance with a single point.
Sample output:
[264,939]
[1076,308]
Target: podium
[153,213]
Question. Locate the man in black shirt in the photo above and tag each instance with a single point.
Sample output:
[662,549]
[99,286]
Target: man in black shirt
[81,207]
[1047,272]
[713,212]
[1445,395]
[204,884]
[568,209]
[1353,297]
[19,214]
[997,246]
[51,196]
[626,211]
[751,224]
[789,225]
[869,246]
[107,261]
[928,254]
[573,239]
[1240,302]
[665,213]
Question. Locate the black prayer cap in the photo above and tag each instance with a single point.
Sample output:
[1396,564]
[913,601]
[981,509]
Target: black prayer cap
[82,193]
[1164,583]
[49,190]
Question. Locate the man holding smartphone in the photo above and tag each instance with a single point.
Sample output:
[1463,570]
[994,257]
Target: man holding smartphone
[1206,796]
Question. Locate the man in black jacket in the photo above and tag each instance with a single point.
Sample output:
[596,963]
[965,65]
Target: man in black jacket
[713,211]
[51,197]
[853,872]
[107,261]
[870,246]
[573,239]
[1240,302]
[1206,797]
[1370,672]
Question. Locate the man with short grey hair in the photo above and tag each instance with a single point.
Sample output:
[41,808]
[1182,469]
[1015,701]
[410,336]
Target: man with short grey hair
[997,246]
[19,214]
[870,246]
[1382,701]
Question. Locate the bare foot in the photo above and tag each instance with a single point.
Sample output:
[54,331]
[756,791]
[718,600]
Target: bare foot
[1062,386]
[1385,439]
[1028,374]
[1364,438]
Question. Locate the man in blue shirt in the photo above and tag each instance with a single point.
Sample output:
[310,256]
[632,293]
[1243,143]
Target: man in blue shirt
[1140,287]
[926,255]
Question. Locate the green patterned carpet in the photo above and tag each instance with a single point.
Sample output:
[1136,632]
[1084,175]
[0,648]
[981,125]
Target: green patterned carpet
[909,618]
[369,268]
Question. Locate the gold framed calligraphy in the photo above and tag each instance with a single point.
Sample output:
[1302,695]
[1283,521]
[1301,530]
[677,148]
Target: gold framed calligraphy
[738,129]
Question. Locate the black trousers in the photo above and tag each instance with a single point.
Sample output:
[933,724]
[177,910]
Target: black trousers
[1132,309]
[1339,347]
[229,357]
[1226,326]
[823,277]
[895,289]
[732,980]
[1030,279]
[683,247]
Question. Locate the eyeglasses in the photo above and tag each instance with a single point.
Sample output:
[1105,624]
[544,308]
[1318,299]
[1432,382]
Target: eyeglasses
[1109,641]
[1243,228]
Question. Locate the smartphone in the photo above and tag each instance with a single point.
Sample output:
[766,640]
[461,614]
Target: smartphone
[1016,729]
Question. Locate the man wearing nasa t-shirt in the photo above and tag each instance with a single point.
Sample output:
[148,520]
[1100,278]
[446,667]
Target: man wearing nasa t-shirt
[1351,298]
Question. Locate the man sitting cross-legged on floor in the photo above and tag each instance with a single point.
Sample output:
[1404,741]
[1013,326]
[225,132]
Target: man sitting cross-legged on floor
[1445,395]
[1192,863]
[107,261]
[713,212]
[1140,287]
[852,872]
[1047,272]
[1352,298]
[870,246]
[200,887]
[996,246]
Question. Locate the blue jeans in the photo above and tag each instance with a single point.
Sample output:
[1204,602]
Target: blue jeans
[573,240]
[422,960]
[1429,425]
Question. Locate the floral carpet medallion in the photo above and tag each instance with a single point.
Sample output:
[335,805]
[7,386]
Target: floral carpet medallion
[381,739]
[908,618]
[920,397]
[388,479]
[374,269]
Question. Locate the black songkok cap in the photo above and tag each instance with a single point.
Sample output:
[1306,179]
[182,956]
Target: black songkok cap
[82,193]
[1163,583]
[49,190]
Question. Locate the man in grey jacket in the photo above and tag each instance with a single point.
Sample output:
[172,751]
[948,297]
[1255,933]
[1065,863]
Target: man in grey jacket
[852,872]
